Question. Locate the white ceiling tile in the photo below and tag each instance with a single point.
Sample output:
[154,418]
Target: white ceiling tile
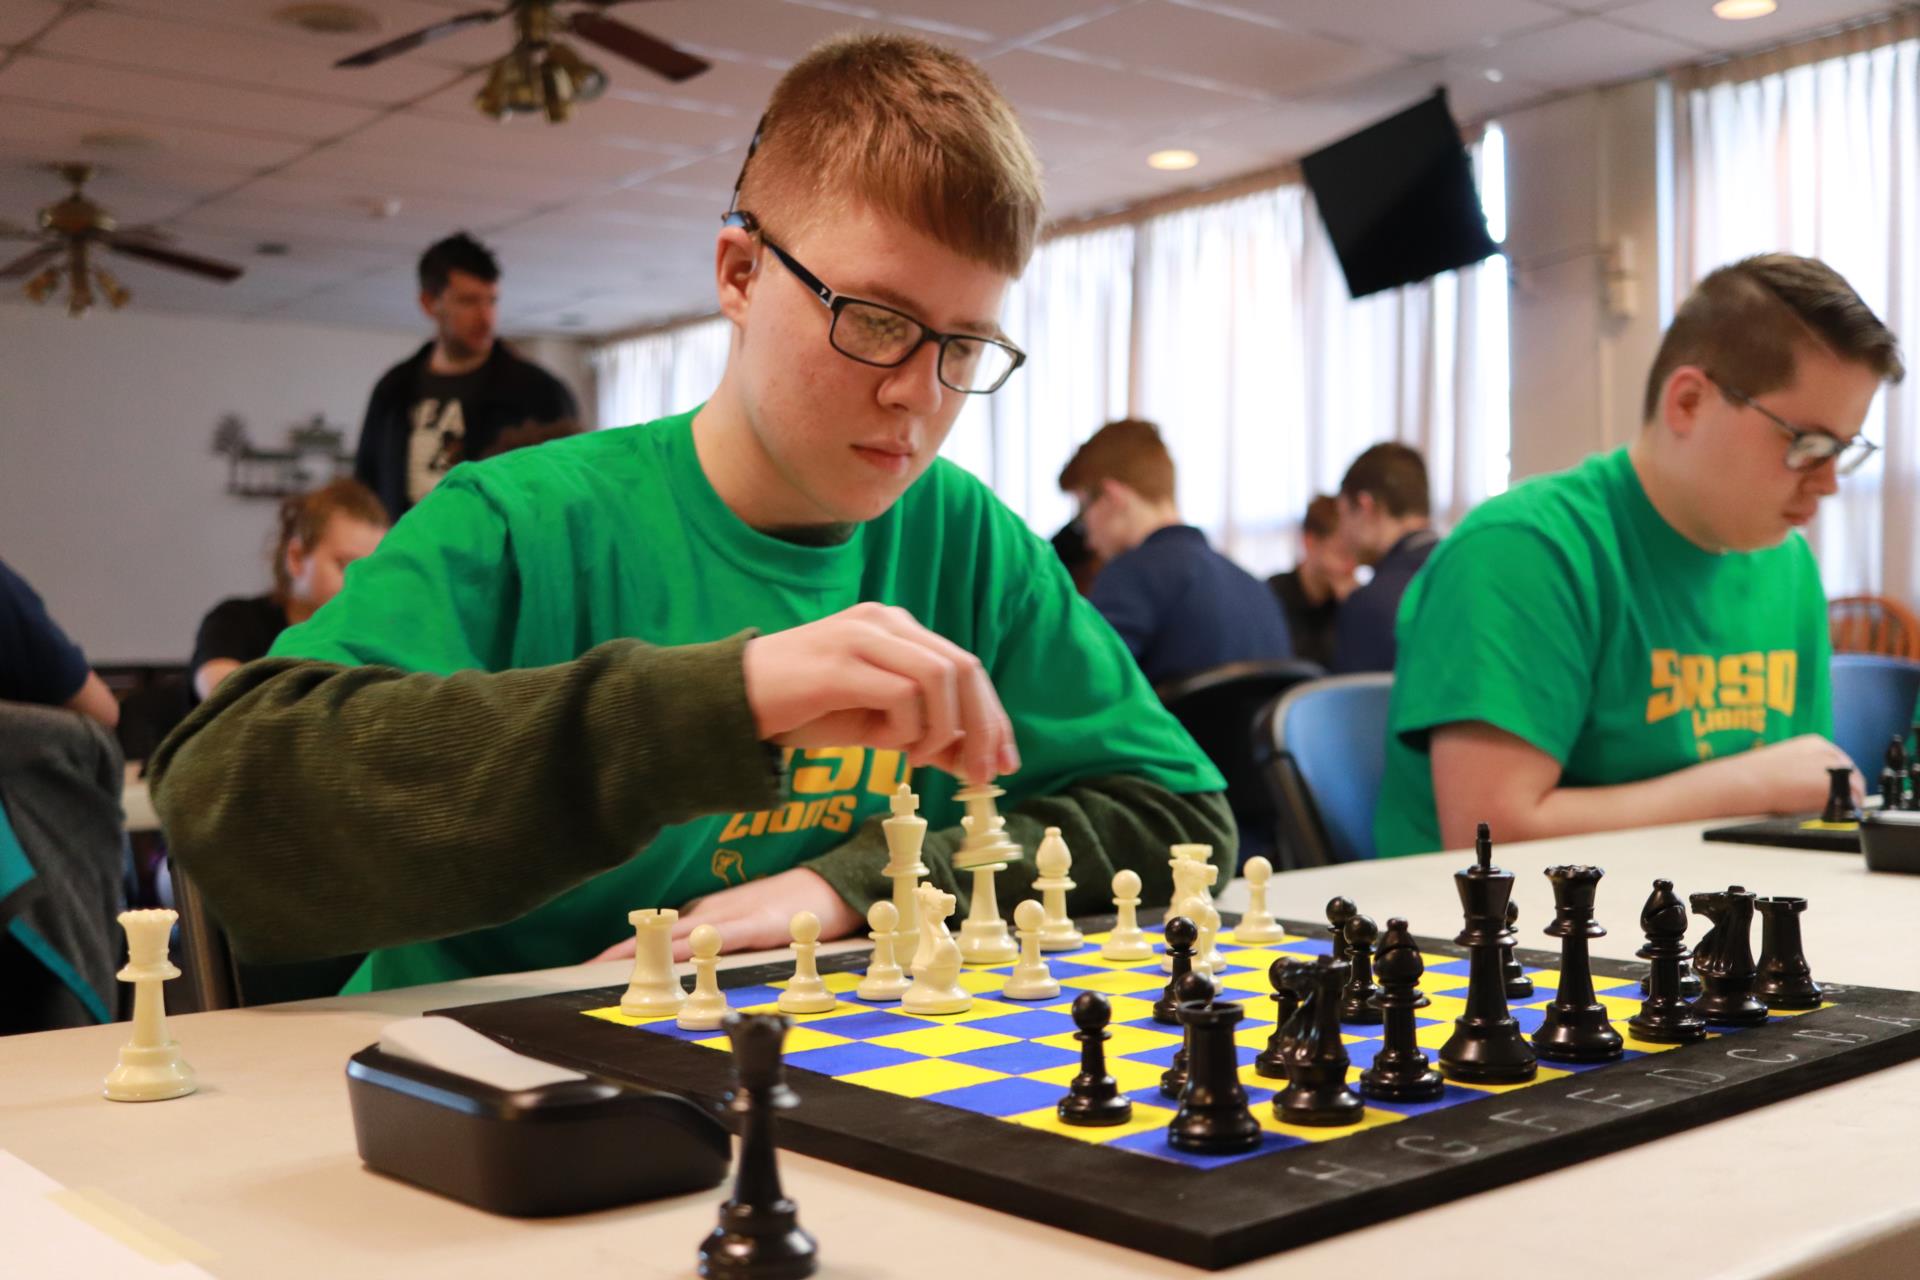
[520,146]
[1586,51]
[1277,134]
[650,203]
[1070,89]
[1696,23]
[393,18]
[1424,27]
[370,173]
[774,30]
[29,132]
[980,19]
[236,218]
[20,19]
[739,86]
[1470,95]
[622,118]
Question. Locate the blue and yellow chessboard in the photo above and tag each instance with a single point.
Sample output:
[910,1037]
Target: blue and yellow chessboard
[964,1103]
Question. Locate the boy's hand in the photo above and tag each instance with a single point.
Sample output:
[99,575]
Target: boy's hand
[871,676]
[757,915]
[1790,776]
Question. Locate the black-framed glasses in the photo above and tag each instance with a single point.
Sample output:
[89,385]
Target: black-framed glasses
[1808,448]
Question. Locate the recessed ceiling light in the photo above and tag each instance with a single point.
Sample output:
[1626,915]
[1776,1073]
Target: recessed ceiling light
[1736,10]
[328,19]
[1173,159]
[1494,75]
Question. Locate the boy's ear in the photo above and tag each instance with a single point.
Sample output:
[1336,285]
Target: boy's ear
[296,559]
[736,259]
[1683,397]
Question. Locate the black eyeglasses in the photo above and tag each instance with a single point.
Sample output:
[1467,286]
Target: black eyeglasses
[1808,449]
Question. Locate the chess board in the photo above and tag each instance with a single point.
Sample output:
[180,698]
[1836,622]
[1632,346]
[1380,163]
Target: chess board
[964,1104]
[1791,833]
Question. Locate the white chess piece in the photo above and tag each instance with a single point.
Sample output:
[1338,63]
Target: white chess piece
[150,1067]
[931,925]
[1128,941]
[983,934]
[1030,979]
[1206,919]
[707,1005]
[1187,875]
[806,991]
[1200,853]
[1053,860]
[885,980]
[1258,925]
[906,832]
[654,990]
[986,843]
[936,986]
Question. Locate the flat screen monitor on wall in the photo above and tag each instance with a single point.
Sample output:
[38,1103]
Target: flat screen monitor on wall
[1399,200]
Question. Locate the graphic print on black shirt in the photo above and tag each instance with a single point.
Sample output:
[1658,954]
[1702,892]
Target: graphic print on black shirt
[438,418]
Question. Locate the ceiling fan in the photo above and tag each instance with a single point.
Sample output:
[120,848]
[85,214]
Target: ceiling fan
[69,231]
[543,73]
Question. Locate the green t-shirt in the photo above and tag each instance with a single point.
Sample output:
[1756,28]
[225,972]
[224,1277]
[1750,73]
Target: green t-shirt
[1569,613]
[535,557]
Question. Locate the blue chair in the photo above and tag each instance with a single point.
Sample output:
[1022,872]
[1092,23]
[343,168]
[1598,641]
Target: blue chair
[1873,701]
[1329,753]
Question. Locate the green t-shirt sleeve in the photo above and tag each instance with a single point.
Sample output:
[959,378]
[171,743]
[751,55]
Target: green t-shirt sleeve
[1817,662]
[1498,628]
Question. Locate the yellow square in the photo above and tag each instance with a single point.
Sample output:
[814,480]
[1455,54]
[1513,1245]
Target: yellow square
[1252,1078]
[1123,1041]
[1622,987]
[1253,983]
[841,1009]
[939,1042]
[1374,1118]
[1545,1074]
[798,1040]
[1129,1073]
[1443,1006]
[1144,1118]
[1117,982]
[1124,1008]
[1620,1008]
[983,981]
[918,1079]
[838,983]
[1284,940]
[981,1009]
[1432,982]
[1638,1045]
[1150,964]
[612,1014]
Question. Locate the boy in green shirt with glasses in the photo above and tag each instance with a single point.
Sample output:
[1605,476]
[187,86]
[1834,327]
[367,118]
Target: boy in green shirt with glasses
[686,664]
[1643,639]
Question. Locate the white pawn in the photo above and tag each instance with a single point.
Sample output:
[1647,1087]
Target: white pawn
[806,991]
[936,986]
[1053,860]
[150,1067]
[1031,979]
[706,1006]
[885,979]
[1206,954]
[1128,941]
[654,991]
[1258,925]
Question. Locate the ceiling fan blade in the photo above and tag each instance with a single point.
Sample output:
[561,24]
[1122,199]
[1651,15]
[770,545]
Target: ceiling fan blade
[30,262]
[425,35]
[656,56]
[208,267]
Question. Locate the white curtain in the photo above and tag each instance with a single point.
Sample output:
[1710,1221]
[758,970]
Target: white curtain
[1823,159]
[645,378]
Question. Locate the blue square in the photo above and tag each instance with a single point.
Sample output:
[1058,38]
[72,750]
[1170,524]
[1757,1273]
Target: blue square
[1029,1024]
[845,1059]
[1017,1059]
[1002,1097]
[747,997]
[1154,1143]
[869,1026]
[670,1029]
[1453,1096]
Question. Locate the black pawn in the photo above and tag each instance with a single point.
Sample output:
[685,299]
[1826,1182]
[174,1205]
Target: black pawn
[1577,1027]
[1893,774]
[1785,981]
[1400,1071]
[1840,797]
[1195,991]
[1339,911]
[1519,985]
[759,1236]
[1317,1092]
[1181,933]
[1272,1061]
[1665,1017]
[1093,1099]
[1213,1118]
[1486,1046]
[1356,1000]
[1724,960]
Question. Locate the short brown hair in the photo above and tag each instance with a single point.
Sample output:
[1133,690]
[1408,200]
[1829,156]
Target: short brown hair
[305,516]
[1742,324]
[1129,451]
[917,131]
[1323,516]
[1394,474]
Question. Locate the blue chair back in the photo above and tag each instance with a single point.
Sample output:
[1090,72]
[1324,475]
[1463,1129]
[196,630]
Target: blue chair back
[1330,753]
[1873,701]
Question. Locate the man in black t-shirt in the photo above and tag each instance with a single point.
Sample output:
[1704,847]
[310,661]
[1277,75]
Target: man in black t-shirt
[464,395]
[1311,592]
[39,664]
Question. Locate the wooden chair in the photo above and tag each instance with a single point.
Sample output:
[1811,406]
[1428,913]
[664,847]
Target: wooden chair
[1873,624]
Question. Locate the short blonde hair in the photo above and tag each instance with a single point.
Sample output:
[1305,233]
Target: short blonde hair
[914,130]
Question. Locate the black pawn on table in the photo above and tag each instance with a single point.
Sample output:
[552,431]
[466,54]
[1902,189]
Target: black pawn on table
[1577,1027]
[1840,806]
[1356,1000]
[1194,990]
[759,1236]
[1486,1046]
[1786,980]
[1665,1016]
[1181,935]
[1512,972]
[1282,977]
[1893,774]
[1094,1098]
[1317,1091]
[1400,1071]
[1724,960]
[1213,1118]
[1339,911]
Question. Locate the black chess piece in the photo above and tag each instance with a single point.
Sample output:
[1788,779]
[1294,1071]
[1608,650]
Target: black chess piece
[1893,774]
[1689,980]
[1665,1016]
[1724,960]
[759,1236]
[1486,1046]
[1093,1099]
[1339,911]
[1317,1091]
[1356,1001]
[1213,1118]
[1400,1071]
[1910,799]
[1181,935]
[1272,1061]
[1512,972]
[1577,1027]
[1194,989]
[1785,980]
[1840,807]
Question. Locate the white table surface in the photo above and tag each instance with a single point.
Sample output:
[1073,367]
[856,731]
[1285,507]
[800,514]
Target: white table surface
[258,1169]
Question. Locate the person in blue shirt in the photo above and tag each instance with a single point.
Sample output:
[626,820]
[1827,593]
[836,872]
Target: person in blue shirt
[1386,522]
[39,664]
[1181,606]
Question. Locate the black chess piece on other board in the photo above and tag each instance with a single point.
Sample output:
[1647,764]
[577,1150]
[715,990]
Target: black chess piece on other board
[1577,1027]
[1094,1098]
[1339,911]
[1181,935]
[1356,1000]
[1724,960]
[1785,980]
[1486,1046]
[1665,1016]
[759,1236]
[1192,989]
[1400,1071]
[1840,806]
[1317,1092]
[1519,985]
[1893,774]
[1214,1118]
[1283,977]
